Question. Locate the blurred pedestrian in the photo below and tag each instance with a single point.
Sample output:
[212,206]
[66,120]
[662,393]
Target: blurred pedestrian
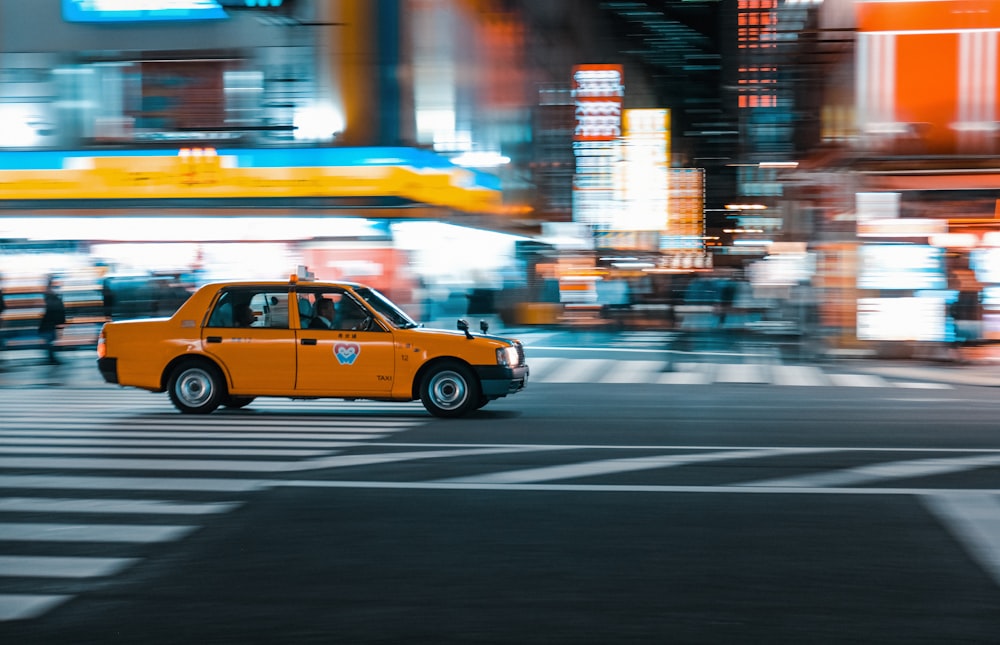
[3,306]
[52,320]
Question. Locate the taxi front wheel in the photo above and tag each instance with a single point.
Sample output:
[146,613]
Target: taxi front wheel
[449,390]
[196,387]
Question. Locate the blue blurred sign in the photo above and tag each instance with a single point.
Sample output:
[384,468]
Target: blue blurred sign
[142,10]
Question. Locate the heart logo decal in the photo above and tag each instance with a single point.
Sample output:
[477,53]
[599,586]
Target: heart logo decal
[346,353]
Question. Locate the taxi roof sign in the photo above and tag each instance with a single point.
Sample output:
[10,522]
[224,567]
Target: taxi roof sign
[303,273]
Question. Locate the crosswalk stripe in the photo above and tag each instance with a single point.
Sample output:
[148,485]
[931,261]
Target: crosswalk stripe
[542,366]
[165,442]
[87,463]
[76,482]
[36,566]
[221,423]
[683,378]
[741,373]
[633,372]
[916,385]
[974,519]
[797,375]
[52,532]
[583,370]
[190,452]
[141,506]
[858,380]
[27,606]
[188,432]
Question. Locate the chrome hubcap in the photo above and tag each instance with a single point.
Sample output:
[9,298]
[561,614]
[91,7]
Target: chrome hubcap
[449,390]
[194,387]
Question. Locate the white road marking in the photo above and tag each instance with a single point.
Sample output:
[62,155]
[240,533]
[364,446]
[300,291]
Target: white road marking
[143,506]
[581,370]
[633,372]
[612,466]
[392,457]
[974,519]
[798,375]
[216,465]
[683,378]
[542,365]
[53,532]
[89,440]
[857,380]
[742,373]
[917,385]
[26,606]
[172,465]
[305,425]
[884,471]
[68,482]
[28,566]
[188,452]
[190,433]
[621,488]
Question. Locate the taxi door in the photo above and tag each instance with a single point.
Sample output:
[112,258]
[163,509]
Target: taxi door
[257,352]
[345,363]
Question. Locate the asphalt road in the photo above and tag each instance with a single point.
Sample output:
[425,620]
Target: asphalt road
[684,510]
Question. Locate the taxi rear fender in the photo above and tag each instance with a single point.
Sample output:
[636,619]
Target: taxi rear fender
[183,358]
[418,378]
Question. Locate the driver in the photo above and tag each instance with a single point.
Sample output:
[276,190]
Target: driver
[350,315]
[324,315]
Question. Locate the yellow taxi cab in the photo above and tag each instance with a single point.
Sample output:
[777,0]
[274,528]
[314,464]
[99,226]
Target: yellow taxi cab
[234,341]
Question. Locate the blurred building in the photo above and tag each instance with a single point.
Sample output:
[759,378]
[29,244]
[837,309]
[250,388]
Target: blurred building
[897,188]
[226,138]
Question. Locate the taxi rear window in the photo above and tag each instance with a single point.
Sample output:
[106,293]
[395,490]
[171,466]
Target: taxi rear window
[252,308]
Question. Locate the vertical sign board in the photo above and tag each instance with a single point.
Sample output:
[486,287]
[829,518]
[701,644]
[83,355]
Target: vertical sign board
[927,74]
[644,189]
[598,95]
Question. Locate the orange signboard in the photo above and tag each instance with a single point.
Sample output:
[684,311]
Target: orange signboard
[927,73]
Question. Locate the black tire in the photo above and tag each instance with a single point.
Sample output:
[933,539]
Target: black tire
[237,402]
[449,390]
[196,387]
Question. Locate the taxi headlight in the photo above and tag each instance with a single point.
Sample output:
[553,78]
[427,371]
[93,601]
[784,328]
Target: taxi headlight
[507,356]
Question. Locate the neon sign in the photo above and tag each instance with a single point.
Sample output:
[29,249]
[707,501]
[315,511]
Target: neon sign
[141,10]
[598,92]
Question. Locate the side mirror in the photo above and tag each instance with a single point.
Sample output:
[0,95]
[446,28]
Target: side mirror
[484,326]
[463,325]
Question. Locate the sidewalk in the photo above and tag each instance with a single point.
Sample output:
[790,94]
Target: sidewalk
[23,368]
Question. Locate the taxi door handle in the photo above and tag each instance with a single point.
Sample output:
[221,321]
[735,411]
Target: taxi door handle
[213,339]
[308,341]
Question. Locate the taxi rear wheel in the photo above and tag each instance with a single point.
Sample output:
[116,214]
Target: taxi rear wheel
[196,387]
[449,390]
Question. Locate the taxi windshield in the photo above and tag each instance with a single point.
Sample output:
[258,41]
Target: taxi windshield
[386,307]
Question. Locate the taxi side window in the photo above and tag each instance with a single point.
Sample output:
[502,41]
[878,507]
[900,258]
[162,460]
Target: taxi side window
[250,308]
[331,309]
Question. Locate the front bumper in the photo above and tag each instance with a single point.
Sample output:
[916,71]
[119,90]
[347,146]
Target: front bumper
[497,381]
[108,368]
